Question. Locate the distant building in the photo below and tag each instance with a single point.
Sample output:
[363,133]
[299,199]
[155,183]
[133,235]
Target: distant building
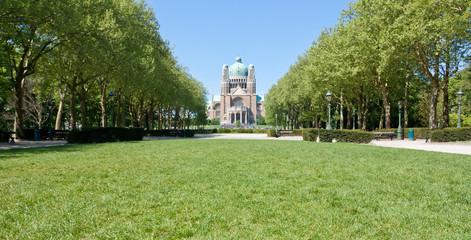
[238,100]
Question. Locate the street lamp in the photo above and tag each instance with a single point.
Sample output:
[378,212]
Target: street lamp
[276,120]
[354,111]
[399,129]
[329,98]
[460,97]
[111,95]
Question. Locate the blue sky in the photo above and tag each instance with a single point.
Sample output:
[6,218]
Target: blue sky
[271,35]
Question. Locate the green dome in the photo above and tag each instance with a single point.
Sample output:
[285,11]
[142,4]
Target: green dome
[238,68]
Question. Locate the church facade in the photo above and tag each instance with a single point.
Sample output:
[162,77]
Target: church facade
[238,100]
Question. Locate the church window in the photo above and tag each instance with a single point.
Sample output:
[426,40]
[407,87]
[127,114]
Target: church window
[238,102]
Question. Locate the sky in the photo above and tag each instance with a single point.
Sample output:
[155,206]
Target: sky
[207,34]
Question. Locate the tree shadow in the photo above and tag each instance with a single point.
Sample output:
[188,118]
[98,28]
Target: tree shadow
[21,152]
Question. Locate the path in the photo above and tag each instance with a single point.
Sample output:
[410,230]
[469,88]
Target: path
[420,144]
[460,148]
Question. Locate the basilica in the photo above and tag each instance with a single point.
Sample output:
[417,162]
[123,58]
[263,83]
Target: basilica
[238,100]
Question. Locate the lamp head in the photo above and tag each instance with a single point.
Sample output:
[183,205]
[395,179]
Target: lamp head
[460,95]
[329,96]
[111,95]
[400,104]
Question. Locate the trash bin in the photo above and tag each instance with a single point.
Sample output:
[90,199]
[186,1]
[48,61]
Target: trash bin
[37,135]
[411,135]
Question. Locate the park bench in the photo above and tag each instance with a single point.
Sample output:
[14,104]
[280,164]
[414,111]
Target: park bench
[379,135]
[60,135]
[286,133]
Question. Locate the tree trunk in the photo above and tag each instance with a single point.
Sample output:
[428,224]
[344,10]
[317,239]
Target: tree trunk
[19,111]
[433,109]
[406,100]
[341,112]
[60,109]
[381,119]
[83,106]
[349,117]
[73,112]
[445,113]
[387,108]
[104,121]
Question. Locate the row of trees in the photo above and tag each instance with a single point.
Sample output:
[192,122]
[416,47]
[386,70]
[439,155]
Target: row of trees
[381,52]
[63,58]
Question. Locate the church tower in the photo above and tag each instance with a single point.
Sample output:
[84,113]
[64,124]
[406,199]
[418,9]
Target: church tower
[238,101]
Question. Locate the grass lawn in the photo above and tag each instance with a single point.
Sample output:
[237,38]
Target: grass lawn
[233,189]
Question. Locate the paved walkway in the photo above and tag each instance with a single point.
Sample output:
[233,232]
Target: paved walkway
[420,144]
[460,148]
[30,144]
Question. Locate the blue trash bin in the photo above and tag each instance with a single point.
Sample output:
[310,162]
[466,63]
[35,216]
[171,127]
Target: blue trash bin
[411,135]
[37,135]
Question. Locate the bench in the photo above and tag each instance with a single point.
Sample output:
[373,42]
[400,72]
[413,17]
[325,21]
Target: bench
[60,135]
[379,135]
[288,133]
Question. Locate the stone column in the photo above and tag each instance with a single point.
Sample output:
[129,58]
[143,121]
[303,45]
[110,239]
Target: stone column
[246,118]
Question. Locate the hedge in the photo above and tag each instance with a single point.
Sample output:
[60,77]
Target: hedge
[99,135]
[355,136]
[451,135]
[4,136]
[224,130]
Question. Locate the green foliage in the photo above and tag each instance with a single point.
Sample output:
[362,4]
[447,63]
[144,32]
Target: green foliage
[325,135]
[465,120]
[241,130]
[451,135]
[215,121]
[378,50]
[194,189]
[238,124]
[261,120]
[224,130]
[100,135]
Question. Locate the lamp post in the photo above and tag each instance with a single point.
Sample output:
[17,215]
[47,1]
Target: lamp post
[329,98]
[111,95]
[460,96]
[354,111]
[399,129]
[276,120]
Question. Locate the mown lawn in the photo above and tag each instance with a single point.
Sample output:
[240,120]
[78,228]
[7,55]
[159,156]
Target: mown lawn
[233,189]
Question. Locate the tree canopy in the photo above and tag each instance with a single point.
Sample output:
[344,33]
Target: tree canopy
[69,55]
[379,53]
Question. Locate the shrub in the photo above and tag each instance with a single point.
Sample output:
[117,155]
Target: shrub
[244,130]
[188,133]
[91,135]
[355,136]
[271,133]
[224,130]
[259,130]
[451,135]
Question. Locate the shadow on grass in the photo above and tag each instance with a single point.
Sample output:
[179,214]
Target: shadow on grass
[20,152]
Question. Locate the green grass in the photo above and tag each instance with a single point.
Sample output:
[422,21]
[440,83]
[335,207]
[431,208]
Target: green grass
[233,189]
